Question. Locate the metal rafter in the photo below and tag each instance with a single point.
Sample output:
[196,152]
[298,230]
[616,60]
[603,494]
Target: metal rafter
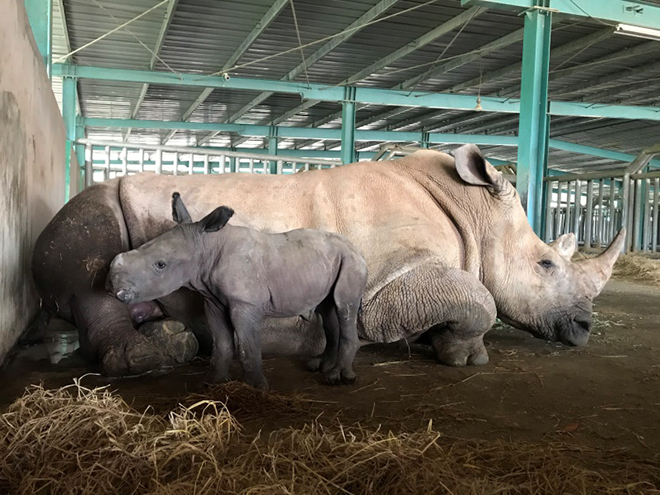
[641,49]
[352,29]
[258,29]
[164,27]
[410,47]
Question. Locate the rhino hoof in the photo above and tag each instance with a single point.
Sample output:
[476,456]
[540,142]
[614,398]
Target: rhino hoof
[178,344]
[126,359]
[332,377]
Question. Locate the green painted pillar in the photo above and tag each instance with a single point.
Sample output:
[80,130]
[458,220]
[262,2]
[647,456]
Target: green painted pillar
[69,116]
[272,149]
[424,143]
[534,121]
[348,126]
[40,14]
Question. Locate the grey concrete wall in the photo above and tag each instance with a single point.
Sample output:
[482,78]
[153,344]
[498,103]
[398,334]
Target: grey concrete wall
[32,167]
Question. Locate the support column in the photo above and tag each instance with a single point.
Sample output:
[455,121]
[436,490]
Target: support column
[534,120]
[424,143]
[69,116]
[348,126]
[40,14]
[272,149]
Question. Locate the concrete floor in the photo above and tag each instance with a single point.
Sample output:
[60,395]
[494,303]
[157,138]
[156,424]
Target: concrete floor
[607,393]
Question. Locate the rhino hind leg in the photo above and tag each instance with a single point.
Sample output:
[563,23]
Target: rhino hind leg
[452,305]
[107,334]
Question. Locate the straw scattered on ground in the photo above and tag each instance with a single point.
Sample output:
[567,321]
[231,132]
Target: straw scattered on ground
[634,267]
[80,441]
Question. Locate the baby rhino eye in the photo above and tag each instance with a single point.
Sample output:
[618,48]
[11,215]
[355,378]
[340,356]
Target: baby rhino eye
[547,264]
[160,264]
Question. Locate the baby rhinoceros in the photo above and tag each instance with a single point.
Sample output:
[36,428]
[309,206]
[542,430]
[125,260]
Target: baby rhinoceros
[246,275]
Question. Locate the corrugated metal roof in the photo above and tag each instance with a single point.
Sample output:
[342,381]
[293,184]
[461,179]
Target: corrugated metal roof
[203,35]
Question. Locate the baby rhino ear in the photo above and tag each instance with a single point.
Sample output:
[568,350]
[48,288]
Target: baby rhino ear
[179,211]
[217,219]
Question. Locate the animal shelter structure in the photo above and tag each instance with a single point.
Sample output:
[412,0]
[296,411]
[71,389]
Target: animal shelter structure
[560,96]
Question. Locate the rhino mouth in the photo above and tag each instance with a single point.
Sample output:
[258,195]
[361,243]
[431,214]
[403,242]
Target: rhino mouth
[571,331]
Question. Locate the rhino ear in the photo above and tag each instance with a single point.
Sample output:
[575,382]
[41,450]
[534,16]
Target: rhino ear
[565,245]
[217,219]
[473,168]
[179,211]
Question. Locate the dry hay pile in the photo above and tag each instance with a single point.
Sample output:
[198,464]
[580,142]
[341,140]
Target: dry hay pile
[76,440]
[638,268]
[635,267]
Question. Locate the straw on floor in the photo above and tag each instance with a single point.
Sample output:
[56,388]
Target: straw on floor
[77,440]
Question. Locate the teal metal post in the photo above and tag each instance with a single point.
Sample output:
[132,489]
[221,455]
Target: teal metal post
[40,14]
[348,126]
[534,122]
[69,115]
[272,149]
[424,143]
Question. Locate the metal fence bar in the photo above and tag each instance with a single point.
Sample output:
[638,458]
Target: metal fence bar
[656,204]
[637,215]
[599,217]
[612,211]
[646,225]
[589,214]
[89,165]
[578,207]
[548,212]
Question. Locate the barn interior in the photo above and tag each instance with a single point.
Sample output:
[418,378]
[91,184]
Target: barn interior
[561,96]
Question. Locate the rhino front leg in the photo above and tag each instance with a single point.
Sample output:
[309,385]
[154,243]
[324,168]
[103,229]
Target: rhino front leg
[453,305]
[106,334]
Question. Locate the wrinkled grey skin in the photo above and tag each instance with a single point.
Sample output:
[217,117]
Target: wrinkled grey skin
[245,276]
[446,241]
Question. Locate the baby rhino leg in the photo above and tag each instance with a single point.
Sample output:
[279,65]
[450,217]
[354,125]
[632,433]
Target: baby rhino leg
[347,297]
[327,360]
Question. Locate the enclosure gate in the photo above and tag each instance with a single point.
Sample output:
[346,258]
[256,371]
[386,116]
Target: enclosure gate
[105,161]
[595,205]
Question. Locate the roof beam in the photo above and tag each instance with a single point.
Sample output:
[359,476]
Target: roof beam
[372,96]
[289,132]
[619,11]
[352,29]
[410,47]
[164,27]
[260,27]
[466,58]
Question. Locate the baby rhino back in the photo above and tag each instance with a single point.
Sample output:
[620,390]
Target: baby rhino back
[303,267]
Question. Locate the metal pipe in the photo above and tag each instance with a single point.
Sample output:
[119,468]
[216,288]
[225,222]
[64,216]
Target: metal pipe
[124,163]
[599,219]
[637,214]
[106,173]
[191,164]
[610,227]
[159,161]
[656,203]
[589,214]
[548,212]
[206,164]
[578,208]
[646,231]
[557,214]
[89,174]
[141,159]
[209,151]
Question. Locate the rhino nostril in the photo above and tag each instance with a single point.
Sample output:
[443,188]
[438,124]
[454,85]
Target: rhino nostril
[583,322]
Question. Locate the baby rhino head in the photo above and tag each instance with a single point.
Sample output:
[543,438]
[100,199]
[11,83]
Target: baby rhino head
[166,263]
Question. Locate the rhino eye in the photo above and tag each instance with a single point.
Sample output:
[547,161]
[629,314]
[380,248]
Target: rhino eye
[160,265]
[547,264]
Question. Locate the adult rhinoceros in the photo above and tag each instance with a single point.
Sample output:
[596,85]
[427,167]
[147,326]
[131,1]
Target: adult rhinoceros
[445,238]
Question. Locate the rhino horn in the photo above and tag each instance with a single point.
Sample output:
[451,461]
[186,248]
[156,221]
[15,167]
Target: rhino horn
[599,269]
